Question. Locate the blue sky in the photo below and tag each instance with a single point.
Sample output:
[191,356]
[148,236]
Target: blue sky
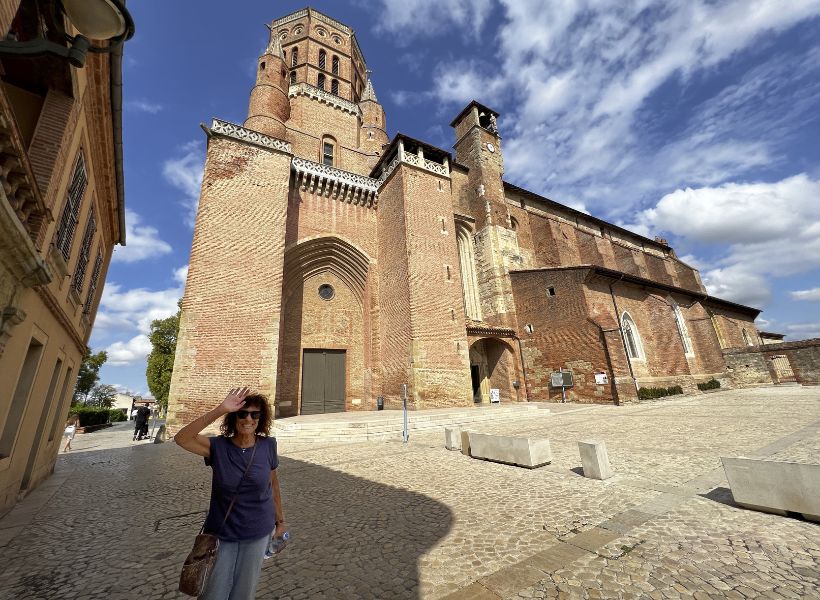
[696,120]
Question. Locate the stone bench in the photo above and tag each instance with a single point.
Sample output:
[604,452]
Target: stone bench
[594,459]
[510,450]
[775,487]
[452,438]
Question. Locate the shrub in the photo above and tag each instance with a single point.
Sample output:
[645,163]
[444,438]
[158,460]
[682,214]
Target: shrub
[712,384]
[90,415]
[648,393]
[116,415]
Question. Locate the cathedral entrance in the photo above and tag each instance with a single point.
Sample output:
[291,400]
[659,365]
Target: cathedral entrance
[492,367]
[323,381]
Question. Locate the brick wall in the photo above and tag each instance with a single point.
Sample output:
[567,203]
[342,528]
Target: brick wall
[749,365]
[229,330]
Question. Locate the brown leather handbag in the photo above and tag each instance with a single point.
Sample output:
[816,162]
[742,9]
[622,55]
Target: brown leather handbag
[200,562]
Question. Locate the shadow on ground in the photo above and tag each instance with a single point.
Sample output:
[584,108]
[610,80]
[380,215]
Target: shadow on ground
[122,524]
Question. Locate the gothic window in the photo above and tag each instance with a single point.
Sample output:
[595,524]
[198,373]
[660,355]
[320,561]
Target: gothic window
[513,224]
[293,77]
[632,338]
[322,59]
[334,87]
[746,339]
[335,64]
[682,330]
[85,253]
[71,210]
[294,57]
[469,280]
[92,286]
[320,81]
[327,153]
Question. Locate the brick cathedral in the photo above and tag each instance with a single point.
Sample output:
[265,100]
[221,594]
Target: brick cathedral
[331,264]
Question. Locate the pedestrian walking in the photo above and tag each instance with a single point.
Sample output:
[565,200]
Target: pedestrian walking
[141,422]
[245,510]
[71,425]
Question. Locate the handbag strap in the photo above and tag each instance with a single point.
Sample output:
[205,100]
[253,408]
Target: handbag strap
[236,493]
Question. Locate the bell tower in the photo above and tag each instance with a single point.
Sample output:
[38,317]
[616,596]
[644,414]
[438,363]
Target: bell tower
[269,106]
[374,128]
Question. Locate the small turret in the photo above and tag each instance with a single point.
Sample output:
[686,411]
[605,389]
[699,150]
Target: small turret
[374,126]
[269,106]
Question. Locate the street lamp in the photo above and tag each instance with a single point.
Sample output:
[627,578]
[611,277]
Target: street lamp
[93,19]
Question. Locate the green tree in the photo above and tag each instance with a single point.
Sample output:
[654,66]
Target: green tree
[89,374]
[102,395]
[163,338]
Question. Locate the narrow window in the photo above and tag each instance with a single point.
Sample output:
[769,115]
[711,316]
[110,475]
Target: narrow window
[632,339]
[448,272]
[682,330]
[294,57]
[293,77]
[20,398]
[327,153]
[334,87]
[320,81]
[85,253]
[71,210]
[262,66]
[322,59]
[550,291]
[92,287]
[746,339]
[335,65]
[61,401]
[513,224]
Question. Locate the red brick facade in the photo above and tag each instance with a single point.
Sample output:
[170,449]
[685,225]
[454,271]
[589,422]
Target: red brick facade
[442,276]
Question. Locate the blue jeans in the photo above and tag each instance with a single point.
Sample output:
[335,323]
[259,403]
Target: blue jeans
[236,571]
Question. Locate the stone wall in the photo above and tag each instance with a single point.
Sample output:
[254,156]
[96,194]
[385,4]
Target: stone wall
[753,365]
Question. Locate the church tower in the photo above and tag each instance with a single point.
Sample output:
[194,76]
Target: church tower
[374,128]
[269,107]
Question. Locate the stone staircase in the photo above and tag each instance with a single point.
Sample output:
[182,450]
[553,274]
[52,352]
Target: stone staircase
[388,424]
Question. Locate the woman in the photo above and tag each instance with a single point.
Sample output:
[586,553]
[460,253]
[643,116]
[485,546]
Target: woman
[256,513]
[71,425]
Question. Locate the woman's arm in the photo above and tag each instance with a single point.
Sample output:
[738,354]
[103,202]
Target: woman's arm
[189,438]
[277,503]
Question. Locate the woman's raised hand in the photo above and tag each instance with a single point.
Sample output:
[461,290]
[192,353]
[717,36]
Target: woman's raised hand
[235,399]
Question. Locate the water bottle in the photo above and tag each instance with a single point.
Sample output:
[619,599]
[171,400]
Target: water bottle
[277,544]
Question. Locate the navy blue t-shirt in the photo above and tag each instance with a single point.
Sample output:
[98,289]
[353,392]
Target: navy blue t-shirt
[253,515]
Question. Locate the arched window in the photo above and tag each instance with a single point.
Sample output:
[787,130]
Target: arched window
[328,151]
[293,77]
[747,338]
[682,330]
[469,280]
[322,59]
[320,81]
[513,224]
[335,64]
[632,338]
[294,57]
[334,87]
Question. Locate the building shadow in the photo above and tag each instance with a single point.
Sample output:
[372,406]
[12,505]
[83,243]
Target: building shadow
[722,495]
[125,519]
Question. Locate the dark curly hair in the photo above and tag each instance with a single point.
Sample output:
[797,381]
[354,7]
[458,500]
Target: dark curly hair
[228,427]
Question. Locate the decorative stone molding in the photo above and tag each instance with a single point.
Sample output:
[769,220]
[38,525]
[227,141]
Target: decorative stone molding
[17,251]
[416,161]
[9,317]
[329,181]
[291,17]
[238,132]
[305,89]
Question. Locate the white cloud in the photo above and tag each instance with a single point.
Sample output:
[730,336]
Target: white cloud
[126,353]
[812,295]
[185,173]
[181,275]
[141,241]
[143,106]
[425,18]
[772,230]
[802,331]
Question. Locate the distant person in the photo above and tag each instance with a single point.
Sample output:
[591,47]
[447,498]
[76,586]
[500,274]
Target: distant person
[141,422]
[71,425]
[246,506]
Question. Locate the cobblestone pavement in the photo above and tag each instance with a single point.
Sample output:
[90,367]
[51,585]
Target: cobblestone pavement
[390,521]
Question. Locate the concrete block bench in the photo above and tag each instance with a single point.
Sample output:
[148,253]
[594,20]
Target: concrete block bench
[594,459]
[774,486]
[510,450]
[452,438]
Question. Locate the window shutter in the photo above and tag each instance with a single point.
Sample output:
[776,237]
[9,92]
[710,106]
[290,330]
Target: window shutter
[71,211]
[85,253]
[92,287]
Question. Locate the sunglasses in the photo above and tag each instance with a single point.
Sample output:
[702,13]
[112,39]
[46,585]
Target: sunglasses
[244,414]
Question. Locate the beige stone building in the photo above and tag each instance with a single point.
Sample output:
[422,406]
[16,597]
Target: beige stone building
[61,213]
[331,265]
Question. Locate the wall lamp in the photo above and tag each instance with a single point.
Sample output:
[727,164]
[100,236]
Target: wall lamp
[93,19]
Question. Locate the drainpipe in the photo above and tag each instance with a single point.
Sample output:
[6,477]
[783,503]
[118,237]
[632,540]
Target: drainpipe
[621,330]
[523,368]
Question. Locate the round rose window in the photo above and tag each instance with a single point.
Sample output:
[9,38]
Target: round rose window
[326,291]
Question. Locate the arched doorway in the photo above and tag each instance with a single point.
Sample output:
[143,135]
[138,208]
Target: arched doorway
[325,350]
[493,367]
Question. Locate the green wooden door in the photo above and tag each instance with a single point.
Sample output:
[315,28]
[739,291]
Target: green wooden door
[323,381]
